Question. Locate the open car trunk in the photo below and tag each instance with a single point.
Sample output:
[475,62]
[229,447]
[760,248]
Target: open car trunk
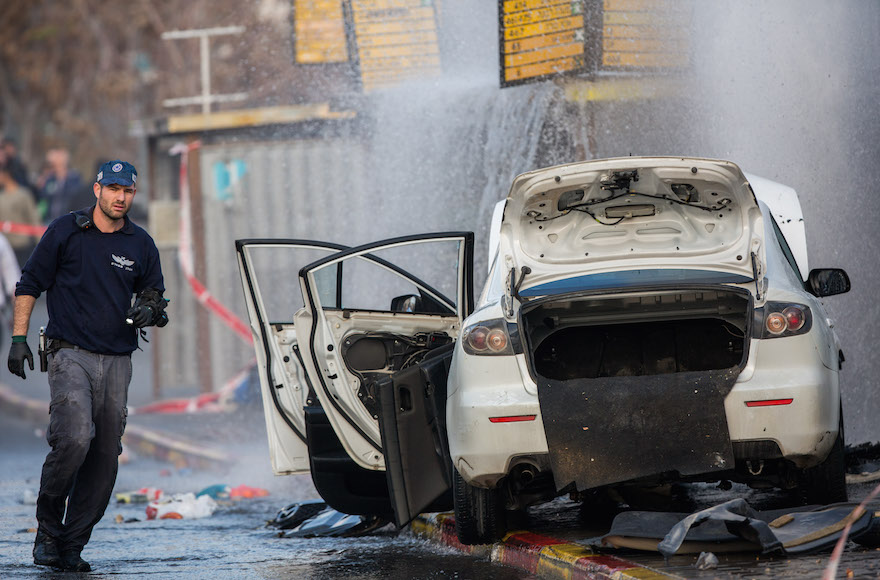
[632,385]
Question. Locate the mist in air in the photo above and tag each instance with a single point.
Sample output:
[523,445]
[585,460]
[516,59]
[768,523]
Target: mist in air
[791,92]
[788,90]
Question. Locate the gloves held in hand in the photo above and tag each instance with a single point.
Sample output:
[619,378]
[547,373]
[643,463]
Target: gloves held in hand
[140,316]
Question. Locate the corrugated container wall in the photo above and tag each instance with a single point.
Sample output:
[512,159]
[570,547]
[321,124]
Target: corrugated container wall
[258,189]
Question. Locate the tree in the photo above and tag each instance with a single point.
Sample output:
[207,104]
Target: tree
[78,73]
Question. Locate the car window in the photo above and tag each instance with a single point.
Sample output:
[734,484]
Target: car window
[783,243]
[493,289]
[274,271]
[383,279]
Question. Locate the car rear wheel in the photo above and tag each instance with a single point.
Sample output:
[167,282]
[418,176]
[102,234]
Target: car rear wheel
[826,483]
[479,513]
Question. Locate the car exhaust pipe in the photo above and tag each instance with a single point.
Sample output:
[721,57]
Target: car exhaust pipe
[525,473]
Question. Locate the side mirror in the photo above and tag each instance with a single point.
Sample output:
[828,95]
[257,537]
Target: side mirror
[828,282]
[406,303]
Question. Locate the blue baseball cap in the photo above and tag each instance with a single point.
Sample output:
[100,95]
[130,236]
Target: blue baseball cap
[120,172]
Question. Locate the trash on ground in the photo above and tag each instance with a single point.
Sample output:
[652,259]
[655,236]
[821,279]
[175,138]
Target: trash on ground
[247,492]
[216,491]
[735,526]
[182,506]
[296,513]
[863,463]
[706,561]
[331,523]
[142,495]
[29,497]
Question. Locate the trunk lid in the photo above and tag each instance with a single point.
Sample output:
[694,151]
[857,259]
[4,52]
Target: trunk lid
[696,218]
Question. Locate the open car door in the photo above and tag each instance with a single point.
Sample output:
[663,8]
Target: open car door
[272,295]
[384,319]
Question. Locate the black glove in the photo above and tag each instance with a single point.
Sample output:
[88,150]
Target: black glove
[18,353]
[140,316]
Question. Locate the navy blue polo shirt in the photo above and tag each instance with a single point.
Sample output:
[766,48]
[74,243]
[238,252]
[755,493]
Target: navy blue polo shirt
[89,278]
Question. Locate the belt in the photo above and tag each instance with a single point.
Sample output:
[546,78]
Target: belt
[57,344]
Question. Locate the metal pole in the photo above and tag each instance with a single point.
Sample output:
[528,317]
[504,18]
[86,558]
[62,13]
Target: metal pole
[206,97]
[206,73]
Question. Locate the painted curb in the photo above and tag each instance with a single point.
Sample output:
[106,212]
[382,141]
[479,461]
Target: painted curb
[182,454]
[543,556]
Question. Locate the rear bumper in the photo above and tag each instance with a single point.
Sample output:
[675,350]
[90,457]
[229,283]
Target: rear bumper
[782,369]
[804,430]
[485,387]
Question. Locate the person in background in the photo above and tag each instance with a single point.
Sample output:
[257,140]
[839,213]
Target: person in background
[16,166]
[17,206]
[9,275]
[89,263]
[58,185]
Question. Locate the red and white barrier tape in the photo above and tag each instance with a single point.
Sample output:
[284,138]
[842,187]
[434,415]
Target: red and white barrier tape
[185,253]
[834,561]
[214,402]
[19,228]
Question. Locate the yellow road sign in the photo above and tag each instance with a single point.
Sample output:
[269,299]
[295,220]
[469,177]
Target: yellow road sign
[393,51]
[533,16]
[641,32]
[643,45]
[399,14]
[371,29]
[543,41]
[644,60]
[551,53]
[319,32]
[548,27]
[395,39]
[542,68]
[371,5]
[654,19]
[646,33]
[511,6]
[427,36]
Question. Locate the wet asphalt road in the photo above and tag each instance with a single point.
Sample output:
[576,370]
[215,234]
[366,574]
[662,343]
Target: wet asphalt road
[233,543]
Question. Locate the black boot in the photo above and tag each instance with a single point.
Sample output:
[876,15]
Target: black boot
[46,550]
[72,562]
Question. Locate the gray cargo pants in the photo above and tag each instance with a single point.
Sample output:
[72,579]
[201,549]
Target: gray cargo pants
[87,418]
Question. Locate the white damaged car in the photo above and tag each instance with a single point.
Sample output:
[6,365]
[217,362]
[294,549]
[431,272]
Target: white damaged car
[645,320]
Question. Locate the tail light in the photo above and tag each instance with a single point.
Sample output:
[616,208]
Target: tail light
[778,319]
[488,337]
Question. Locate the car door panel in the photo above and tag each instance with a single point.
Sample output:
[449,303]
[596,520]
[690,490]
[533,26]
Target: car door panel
[364,357]
[417,458]
[266,267]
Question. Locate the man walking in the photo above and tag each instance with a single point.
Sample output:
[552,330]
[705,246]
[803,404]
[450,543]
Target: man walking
[90,263]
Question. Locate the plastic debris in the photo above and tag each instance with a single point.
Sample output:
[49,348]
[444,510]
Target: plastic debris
[217,491]
[182,506]
[142,495]
[131,497]
[29,497]
[706,561]
[296,513]
[245,491]
[334,524]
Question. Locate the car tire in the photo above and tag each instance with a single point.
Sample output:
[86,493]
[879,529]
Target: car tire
[826,482]
[479,513]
